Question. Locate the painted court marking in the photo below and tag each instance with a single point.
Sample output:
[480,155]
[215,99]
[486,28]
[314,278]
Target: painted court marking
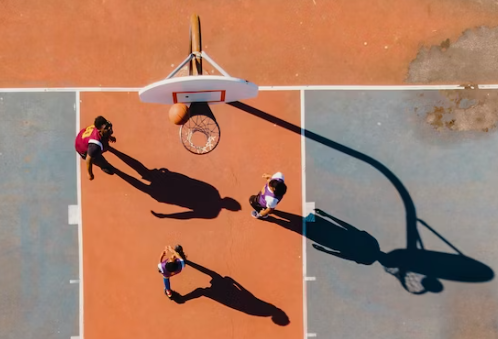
[309,212]
[79,220]
[75,212]
[268,88]
[303,196]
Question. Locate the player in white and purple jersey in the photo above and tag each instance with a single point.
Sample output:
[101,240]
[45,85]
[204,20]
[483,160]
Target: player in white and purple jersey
[269,197]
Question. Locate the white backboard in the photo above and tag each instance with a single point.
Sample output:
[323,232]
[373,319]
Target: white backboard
[203,88]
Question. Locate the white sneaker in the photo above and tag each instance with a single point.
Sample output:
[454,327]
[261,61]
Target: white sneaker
[258,216]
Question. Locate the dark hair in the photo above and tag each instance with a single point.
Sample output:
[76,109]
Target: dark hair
[172,266]
[100,121]
[278,186]
[179,249]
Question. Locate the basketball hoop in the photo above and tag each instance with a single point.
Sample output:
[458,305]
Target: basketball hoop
[201,133]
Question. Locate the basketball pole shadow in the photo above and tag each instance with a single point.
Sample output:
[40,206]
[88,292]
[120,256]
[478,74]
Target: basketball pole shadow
[411,215]
[412,258]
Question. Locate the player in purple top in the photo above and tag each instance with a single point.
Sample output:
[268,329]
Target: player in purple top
[269,197]
[171,266]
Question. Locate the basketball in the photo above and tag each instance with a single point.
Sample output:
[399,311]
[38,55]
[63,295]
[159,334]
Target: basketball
[179,114]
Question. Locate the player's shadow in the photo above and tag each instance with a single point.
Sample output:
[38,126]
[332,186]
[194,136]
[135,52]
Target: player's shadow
[230,293]
[202,199]
[332,236]
[472,271]
[411,214]
[418,270]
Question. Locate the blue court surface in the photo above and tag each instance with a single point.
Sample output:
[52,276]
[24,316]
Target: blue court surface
[392,164]
[38,191]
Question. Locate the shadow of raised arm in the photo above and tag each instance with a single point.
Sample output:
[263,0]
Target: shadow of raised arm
[339,222]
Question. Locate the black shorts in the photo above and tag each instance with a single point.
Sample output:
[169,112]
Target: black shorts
[94,151]
[253,200]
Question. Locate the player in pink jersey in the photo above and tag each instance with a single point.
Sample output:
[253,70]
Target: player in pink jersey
[92,141]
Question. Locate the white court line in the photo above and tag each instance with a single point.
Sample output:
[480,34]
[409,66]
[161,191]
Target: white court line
[264,88]
[78,90]
[372,87]
[71,89]
[72,214]
[303,188]
[80,221]
[309,212]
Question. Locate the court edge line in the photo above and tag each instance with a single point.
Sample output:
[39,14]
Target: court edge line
[303,195]
[80,221]
[267,88]
[376,87]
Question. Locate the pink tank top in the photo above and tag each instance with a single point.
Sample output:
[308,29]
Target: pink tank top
[86,136]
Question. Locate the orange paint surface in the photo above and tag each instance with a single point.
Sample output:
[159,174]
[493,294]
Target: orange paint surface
[113,43]
[122,240]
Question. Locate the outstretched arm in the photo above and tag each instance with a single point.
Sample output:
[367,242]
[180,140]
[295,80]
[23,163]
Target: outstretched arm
[174,254]
[336,220]
[178,216]
[266,176]
[89,166]
[323,249]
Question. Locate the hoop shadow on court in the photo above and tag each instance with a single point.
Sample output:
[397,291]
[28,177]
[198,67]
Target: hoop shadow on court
[230,293]
[402,263]
[418,270]
[202,199]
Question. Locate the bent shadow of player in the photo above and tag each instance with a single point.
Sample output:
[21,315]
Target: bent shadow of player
[230,293]
[202,199]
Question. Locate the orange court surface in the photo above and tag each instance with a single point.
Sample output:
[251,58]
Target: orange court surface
[101,53]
